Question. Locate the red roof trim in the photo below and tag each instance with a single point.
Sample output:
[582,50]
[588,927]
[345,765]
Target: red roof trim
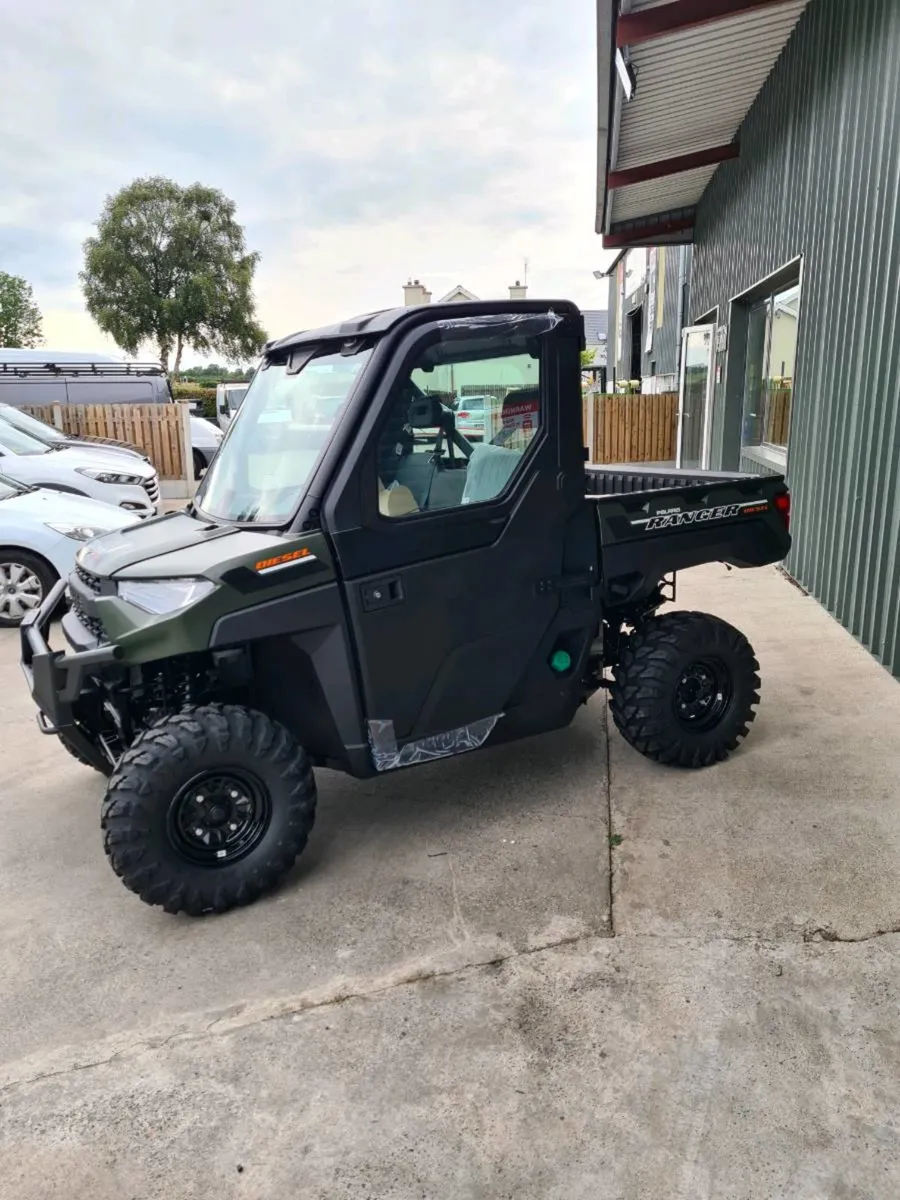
[673,166]
[649,23]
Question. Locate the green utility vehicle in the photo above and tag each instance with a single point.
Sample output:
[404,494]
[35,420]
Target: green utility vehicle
[358,586]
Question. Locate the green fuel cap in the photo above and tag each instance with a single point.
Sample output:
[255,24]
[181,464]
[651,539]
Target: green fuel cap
[560,660]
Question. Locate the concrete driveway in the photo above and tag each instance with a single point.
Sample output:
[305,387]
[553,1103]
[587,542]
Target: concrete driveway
[445,1001]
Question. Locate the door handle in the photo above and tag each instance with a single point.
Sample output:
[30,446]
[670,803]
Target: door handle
[381,593]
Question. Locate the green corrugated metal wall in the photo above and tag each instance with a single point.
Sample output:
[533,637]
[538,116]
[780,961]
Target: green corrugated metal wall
[819,176]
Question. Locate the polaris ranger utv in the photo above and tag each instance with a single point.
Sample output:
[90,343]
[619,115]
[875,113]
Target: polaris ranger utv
[357,586]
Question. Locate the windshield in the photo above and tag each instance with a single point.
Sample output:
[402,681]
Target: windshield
[9,488]
[17,442]
[272,446]
[31,425]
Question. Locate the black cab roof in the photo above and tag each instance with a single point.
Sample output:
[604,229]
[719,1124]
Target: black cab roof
[377,324]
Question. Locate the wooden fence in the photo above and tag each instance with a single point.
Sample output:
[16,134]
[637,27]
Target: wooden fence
[156,429]
[631,429]
[778,416]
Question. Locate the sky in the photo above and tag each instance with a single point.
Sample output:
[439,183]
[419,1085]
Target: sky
[364,142]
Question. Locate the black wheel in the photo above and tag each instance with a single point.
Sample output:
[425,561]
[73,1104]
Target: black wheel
[199,465]
[76,754]
[25,580]
[685,689]
[208,809]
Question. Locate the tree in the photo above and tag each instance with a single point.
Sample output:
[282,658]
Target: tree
[20,317]
[213,373]
[170,265]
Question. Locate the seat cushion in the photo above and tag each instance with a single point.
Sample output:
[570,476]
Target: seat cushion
[396,501]
[490,469]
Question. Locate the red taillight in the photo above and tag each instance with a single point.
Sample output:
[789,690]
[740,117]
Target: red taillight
[782,504]
[462,414]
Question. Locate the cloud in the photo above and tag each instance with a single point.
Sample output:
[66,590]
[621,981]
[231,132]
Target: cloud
[363,141]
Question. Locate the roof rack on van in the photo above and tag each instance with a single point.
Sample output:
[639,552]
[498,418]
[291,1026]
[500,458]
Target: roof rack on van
[42,369]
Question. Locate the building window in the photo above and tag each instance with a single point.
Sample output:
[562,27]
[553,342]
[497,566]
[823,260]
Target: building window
[769,372]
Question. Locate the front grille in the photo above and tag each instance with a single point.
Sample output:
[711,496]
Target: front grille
[151,487]
[88,578]
[92,583]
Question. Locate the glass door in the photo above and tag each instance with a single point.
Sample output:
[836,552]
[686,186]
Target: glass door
[698,348]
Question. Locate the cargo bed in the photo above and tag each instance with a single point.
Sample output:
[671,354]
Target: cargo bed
[653,521]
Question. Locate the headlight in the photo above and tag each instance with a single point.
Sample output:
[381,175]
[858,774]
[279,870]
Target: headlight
[159,596]
[109,476]
[80,533]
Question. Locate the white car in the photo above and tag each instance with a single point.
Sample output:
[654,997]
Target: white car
[80,470]
[40,532]
[55,439]
[205,437]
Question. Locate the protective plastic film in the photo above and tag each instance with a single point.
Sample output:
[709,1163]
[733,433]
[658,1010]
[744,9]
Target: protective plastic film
[500,325]
[388,757]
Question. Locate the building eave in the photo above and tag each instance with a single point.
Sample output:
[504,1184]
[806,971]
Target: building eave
[693,68]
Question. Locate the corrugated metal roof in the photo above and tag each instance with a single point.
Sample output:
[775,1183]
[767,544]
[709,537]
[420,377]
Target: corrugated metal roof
[661,195]
[693,90]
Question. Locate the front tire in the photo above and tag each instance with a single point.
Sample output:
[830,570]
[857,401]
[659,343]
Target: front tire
[79,757]
[685,689]
[208,809]
[25,580]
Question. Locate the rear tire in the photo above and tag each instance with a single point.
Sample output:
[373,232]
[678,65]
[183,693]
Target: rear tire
[208,809]
[25,580]
[685,689]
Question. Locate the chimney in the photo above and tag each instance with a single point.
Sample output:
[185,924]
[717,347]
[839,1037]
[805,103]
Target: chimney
[518,291]
[414,293]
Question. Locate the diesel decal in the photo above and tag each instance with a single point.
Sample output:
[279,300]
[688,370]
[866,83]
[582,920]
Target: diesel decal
[283,560]
[699,515]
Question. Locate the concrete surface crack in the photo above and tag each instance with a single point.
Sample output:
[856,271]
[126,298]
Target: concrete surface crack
[827,933]
[70,1070]
[240,1017]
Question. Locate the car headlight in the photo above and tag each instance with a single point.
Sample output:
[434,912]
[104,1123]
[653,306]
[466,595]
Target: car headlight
[109,476]
[160,596]
[79,533]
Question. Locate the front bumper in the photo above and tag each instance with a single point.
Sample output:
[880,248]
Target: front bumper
[57,679]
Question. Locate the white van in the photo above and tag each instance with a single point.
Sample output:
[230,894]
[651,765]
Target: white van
[229,397]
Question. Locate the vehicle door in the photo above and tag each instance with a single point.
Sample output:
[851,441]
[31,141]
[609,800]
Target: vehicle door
[452,554]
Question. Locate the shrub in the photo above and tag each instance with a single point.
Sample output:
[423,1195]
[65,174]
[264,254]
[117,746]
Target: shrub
[195,391]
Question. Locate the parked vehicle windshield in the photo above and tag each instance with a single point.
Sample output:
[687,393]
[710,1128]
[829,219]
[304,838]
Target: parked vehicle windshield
[17,442]
[9,488]
[273,444]
[31,425]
